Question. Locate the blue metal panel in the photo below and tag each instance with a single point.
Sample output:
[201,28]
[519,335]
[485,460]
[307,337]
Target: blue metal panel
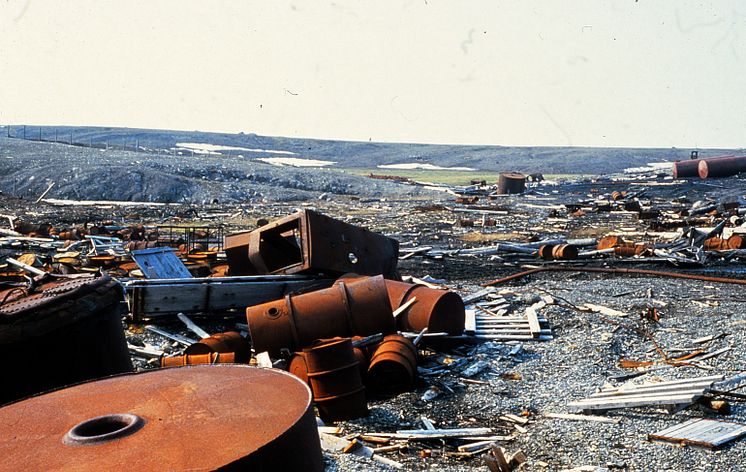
[160,263]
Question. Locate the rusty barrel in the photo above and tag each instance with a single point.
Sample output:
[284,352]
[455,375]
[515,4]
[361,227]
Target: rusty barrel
[217,417]
[393,366]
[511,182]
[721,167]
[197,359]
[565,252]
[65,332]
[716,244]
[334,376]
[440,311]
[298,366]
[686,169]
[229,342]
[349,307]
[545,251]
[736,242]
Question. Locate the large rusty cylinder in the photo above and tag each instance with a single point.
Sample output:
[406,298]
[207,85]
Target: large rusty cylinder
[686,169]
[393,367]
[511,182]
[216,417]
[440,311]
[64,333]
[356,307]
[309,242]
[721,167]
[230,342]
[197,359]
[298,366]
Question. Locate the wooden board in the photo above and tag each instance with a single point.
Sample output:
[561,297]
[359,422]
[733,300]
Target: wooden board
[701,432]
[153,298]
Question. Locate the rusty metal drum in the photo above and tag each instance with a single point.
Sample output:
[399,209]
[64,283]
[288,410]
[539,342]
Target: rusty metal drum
[219,417]
[350,307]
[65,332]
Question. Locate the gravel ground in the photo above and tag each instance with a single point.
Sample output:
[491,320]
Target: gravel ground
[541,377]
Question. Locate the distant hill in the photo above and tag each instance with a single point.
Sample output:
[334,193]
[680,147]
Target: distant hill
[352,154]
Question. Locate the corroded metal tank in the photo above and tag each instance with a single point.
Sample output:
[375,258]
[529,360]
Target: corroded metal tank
[511,182]
[65,332]
[219,417]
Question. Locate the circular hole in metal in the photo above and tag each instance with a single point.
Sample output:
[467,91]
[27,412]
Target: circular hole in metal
[352,257]
[103,428]
[273,312]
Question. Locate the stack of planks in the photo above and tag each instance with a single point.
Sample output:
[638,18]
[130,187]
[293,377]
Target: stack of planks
[701,432]
[673,395]
[489,325]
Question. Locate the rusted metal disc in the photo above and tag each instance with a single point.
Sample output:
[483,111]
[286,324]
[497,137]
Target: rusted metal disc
[225,417]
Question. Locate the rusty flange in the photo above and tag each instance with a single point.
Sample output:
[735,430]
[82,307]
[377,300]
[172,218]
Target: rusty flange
[225,417]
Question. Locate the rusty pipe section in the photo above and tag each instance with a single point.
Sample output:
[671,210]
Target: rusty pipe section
[690,168]
[333,373]
[393,366]
[605,270]
[721,167]
[349,307]
[230,342]
[197,359]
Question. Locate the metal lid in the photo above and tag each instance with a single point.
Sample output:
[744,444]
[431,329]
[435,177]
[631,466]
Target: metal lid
[196,418]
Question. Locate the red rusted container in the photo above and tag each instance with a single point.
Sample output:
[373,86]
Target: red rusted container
[736,242]
[440,311]
[721,167]
[197,359]
[65,332]
[231,342]
[350,307]
[686,169]
[511,182]
[334,376]
[393,366]
[218,417]
[565,252]
[545,251]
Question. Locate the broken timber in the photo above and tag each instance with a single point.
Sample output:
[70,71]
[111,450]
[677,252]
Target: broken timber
[701,432]
[161,297]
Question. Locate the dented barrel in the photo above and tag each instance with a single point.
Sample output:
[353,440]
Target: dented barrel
[393,366]
[350,307]
[333,373]
[440,311]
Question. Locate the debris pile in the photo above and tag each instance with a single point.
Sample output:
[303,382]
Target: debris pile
[558,327]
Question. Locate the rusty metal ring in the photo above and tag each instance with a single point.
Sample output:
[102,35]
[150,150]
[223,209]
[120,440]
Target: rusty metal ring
[103,428]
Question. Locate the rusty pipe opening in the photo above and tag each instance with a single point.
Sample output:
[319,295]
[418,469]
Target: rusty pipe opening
[103,428]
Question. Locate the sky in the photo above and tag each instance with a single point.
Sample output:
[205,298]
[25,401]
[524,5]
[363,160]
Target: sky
[664,73]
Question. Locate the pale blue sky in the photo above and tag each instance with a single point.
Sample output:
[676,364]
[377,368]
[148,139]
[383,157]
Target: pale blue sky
[601,73]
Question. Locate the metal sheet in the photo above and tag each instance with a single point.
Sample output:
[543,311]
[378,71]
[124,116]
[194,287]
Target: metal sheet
[160,263]
[225,417]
